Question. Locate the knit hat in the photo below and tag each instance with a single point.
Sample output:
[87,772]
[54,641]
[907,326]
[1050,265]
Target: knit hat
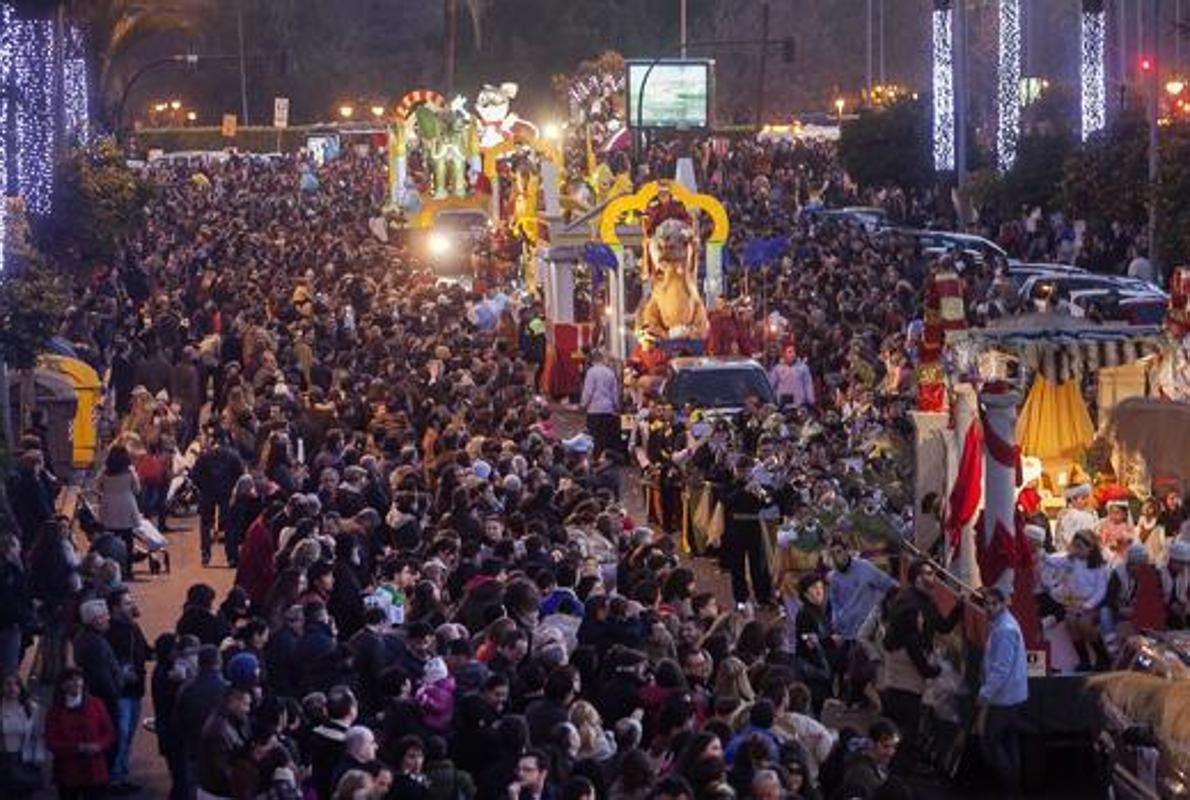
[91,611]
[243,670]
[1137,554]
[1035,534]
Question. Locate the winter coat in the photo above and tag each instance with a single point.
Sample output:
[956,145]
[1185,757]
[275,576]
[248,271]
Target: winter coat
[66,729]
[97,660]
[437,704]
[257,571]
[210,628]
[15,608]
[216,471]
[118,510]
[32,502]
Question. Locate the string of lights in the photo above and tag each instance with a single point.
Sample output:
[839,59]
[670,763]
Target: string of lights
[33,59]
[944,121]
[5,77]
[75,89]
[1008,84]
[1092,71]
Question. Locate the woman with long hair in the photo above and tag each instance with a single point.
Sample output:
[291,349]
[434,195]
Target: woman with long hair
[119,513]
[22,739]
[1082,590]
[284,593]
[594,742]
[246,504]
[15,606]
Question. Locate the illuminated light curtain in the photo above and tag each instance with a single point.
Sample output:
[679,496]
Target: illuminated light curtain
[5,77]
[33,60]
[74,83]
[1092,73]
[1008,84]
[944,119]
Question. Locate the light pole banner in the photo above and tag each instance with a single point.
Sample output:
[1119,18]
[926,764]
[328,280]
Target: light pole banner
[280,112]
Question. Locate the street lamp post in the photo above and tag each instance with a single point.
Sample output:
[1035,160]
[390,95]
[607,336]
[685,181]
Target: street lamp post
[683,21]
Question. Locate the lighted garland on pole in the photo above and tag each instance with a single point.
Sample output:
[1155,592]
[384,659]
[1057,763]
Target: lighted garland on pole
[1008,84]
[1092,70]
[943,73]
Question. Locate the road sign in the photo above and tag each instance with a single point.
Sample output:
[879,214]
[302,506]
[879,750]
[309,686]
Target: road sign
[229,126]
[1036,663]
[280,112]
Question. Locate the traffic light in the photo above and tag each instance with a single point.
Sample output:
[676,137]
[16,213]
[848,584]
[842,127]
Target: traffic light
[1146,64]
[788,50]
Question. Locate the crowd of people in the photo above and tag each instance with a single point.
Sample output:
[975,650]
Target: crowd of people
[439,592]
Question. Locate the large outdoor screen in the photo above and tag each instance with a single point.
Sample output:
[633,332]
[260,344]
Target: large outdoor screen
[677,94]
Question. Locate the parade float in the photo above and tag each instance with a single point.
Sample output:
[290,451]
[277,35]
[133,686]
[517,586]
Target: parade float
[1018,395]
[485,175]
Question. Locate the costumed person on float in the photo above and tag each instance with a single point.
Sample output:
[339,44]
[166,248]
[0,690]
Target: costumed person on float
[1078,514]
[674,309]
[1133,600]
[1116,533]
[1028,498]
[497,122]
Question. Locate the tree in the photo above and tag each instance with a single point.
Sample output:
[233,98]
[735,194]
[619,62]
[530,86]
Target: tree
[32,301]
[116,28]
[1173,212]
[98,203]
[1106,180]
[888,146]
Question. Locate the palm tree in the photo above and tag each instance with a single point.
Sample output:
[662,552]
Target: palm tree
[475,11]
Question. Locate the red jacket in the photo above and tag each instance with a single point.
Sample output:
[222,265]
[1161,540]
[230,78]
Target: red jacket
[257,572]
[66,729]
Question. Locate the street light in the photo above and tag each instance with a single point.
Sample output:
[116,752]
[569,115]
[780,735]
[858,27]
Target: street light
[346,111]
[378,111]
[191,116]
[552,131]
[840,103]
[1175,86]
[176,105]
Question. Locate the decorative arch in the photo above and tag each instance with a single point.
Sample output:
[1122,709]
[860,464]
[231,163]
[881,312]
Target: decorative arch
[639,201]
[419,97]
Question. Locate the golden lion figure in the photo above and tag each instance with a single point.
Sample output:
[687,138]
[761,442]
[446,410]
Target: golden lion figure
[675,309]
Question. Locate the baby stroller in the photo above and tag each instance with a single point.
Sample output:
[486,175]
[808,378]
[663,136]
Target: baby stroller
[148,544]
[181,499]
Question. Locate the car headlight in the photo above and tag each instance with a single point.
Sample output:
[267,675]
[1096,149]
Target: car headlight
[440,244]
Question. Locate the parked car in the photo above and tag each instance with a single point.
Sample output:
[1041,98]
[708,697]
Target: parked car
[1130,307]
[869,218]
[940,243]
[1044,285]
